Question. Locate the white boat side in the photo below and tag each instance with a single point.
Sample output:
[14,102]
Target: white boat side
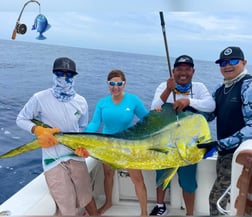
[35,199]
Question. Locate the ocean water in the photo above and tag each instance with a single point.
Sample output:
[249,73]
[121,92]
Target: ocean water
[26,68]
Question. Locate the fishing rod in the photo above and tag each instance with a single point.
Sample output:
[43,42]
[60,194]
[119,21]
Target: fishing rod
[21,28]
[167,54]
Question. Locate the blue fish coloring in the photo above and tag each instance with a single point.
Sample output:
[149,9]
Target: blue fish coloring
[41,25]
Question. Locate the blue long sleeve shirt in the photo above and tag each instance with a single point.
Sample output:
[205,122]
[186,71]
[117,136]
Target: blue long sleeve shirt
[116,117]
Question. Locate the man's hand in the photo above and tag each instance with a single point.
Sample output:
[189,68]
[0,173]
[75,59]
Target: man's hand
[82,152]
[45,136]
[208,145]
[171,84]
[180,104]
[158,108]
[211,148]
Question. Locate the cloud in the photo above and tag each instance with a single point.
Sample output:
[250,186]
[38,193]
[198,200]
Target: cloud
[209,26]
[134,26]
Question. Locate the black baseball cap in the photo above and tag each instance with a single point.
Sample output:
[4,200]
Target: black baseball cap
[64,64]
[184,59]
[231,53]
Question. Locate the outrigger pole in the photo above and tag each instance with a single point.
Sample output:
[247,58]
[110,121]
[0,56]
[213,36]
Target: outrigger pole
[167,55]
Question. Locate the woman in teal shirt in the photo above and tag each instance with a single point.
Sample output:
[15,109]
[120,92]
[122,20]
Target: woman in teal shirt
[117,111]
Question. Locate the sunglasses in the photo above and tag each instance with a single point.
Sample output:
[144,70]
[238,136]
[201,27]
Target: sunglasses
[61,74]
[118,83]
[231,62]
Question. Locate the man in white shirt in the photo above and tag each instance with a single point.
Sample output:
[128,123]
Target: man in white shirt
[185,95]
[63,109]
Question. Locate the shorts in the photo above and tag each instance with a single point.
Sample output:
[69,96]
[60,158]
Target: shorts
[70,186]
[186,177]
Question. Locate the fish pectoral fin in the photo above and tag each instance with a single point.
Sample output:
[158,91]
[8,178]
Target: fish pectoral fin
[160,150]
[47,27]
[167,176]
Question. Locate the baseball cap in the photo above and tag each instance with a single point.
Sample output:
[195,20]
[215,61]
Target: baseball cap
[185,59]
[64,64]
[231,53]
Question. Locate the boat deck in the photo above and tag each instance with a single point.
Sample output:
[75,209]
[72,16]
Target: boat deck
[35,199]
[132,208]
[125,201]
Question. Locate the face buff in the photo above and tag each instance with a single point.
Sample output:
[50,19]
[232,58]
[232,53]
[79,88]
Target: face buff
[229,83]
[63,88]
[183,89]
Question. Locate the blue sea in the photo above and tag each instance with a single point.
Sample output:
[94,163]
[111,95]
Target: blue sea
[26,68]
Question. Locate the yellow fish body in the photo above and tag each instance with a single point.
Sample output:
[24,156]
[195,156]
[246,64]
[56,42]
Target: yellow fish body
[166,148]
[157,142]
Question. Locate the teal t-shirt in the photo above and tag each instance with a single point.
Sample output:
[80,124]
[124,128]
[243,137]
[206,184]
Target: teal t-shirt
[116,117]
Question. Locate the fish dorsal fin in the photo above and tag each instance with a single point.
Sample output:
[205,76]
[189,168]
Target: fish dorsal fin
[153,122]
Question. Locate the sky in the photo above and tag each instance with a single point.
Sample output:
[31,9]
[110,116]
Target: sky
[200,28]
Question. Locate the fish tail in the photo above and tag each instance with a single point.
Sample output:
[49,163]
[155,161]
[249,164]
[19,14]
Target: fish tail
[22,149]
[5,213]
[41,37]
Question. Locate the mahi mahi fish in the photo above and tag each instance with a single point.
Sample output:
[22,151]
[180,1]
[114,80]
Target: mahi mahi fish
[156,142]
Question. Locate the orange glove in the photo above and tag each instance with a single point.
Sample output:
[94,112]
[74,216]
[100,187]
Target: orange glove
[45,136]
[82,152]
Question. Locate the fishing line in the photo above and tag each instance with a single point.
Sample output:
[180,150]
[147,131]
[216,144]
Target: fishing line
[21,28]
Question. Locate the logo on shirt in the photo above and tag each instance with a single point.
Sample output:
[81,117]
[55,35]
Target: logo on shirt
[127,109]
[77,113]
[234,99]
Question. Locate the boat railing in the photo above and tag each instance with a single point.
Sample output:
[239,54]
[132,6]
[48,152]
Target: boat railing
[240,190]
[243,203]
[223,197]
